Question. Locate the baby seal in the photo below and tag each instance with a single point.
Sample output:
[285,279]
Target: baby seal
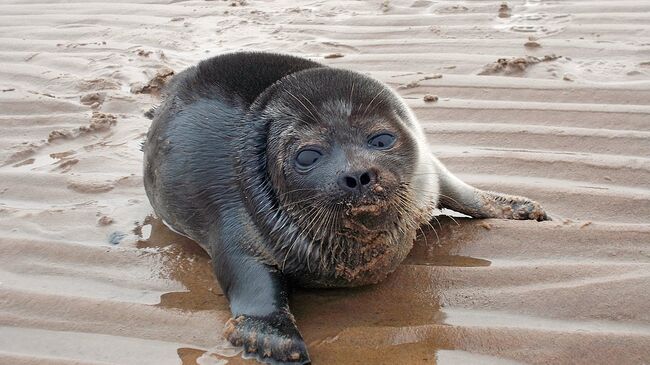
[289,172]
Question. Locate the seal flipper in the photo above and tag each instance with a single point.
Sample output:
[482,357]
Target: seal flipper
[466,199]
[261,321]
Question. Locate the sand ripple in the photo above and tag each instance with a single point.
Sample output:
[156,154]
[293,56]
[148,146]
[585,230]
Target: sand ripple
[571,132]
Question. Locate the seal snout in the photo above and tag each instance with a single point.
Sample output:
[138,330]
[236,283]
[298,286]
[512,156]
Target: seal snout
[367,206]
[357,181]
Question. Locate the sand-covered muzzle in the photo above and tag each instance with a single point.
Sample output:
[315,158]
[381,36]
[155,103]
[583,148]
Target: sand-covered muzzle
[375,214]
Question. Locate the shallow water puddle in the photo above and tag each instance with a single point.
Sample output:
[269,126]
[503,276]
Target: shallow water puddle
[352,325]
[183,260]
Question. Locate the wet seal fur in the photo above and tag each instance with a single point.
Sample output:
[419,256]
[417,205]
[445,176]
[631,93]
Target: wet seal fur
[223,166]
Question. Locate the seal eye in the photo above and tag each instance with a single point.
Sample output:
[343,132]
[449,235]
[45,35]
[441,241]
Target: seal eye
[306,158]
[382,141]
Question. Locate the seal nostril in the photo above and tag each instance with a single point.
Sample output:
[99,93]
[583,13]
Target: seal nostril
[350,182]
[364,179]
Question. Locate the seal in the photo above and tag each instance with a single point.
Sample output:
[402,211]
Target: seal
[288,172]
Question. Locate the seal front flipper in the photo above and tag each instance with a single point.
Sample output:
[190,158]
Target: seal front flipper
[261,321]
[272,339]
[466,199]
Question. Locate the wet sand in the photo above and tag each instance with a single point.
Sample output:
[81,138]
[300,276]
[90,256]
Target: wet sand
[545,99]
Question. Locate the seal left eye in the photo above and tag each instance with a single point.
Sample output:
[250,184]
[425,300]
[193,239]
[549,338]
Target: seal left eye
[307,158]
[382,141]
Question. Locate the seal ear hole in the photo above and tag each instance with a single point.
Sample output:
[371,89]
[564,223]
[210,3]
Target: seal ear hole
[382,141]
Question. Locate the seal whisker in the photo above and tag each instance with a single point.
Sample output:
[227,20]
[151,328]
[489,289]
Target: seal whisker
[424,235]
[435,192]
[324,225]
[329,238]
[426,174]
[308,228]
[293,242]
[376,105]
[315,120]
[299,202]
[351,96]
[325,230]
[336,224]
[454,219]
[310,103]
[371,101]
[294,191]
[317,226]
[433,229]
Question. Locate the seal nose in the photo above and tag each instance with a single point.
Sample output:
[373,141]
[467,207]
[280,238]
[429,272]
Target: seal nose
[357,181]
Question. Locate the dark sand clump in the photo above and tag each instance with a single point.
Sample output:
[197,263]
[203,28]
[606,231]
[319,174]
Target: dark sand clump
[515,65]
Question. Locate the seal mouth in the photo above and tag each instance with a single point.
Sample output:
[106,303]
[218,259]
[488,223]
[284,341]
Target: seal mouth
[369,214]
[366,209]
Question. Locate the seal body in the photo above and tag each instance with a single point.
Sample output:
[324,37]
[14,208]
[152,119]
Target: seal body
[292,173]
[208,149]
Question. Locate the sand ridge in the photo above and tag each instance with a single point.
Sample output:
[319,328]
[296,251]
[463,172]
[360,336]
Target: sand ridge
[88,277]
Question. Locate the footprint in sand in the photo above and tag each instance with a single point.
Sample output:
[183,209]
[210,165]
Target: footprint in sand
[421,4]
[530,19]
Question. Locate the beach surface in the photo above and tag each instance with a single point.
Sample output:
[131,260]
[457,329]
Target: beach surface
[546,99]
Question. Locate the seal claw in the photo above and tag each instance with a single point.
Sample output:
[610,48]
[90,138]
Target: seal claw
[272,339]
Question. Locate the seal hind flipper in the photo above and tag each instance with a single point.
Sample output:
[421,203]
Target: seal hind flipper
[461,197]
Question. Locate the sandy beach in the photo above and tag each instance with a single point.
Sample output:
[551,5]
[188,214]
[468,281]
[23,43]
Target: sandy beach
[546,99]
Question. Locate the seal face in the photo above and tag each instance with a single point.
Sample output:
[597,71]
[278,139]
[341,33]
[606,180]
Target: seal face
[292,173]
[341,158]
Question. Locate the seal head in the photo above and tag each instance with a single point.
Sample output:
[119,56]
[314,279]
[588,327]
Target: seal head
[342,162]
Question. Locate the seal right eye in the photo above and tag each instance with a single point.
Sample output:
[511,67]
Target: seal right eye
[307,158]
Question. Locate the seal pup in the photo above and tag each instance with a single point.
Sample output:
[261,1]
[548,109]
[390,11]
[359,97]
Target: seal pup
[289,172]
